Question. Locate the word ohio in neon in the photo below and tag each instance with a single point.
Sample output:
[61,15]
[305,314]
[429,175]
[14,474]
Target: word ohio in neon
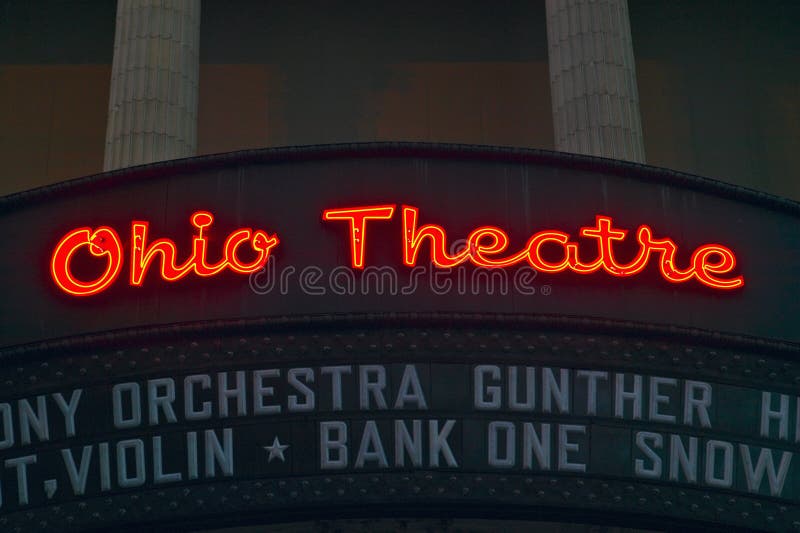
[105,244]
[487,247]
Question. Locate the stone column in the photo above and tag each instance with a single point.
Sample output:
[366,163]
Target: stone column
[152,109]
[593,79]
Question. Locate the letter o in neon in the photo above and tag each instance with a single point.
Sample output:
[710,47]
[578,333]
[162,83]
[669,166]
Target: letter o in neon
[102,241]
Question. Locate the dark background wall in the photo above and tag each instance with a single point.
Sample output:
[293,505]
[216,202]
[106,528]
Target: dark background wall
[719,81]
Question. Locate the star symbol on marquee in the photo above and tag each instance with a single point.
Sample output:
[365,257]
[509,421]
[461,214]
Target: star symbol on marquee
[276,450]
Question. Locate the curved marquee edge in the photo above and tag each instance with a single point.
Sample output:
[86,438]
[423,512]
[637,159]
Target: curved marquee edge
[401,149]
[427,505]
[372,320]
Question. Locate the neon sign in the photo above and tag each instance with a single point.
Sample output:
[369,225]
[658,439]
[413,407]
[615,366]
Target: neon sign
[357,217]
[100,242]
[550,251]
[104,241]
[486,243]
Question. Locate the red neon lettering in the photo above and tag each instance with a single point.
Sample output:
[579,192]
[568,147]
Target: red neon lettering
[485,247]
[105,241]
[605,235]
[534,254]
[497,243]
[486,243]
[413,237]
[668,250]
[358,216]
[703,269]
[142,254]
[259,241]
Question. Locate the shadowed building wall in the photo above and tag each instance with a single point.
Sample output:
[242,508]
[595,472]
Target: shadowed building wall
[718,81]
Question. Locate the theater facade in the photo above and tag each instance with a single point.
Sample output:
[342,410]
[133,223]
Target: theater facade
[420,266]
[399,330]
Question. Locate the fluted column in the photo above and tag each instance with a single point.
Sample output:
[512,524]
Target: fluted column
[593,79]
[152,110]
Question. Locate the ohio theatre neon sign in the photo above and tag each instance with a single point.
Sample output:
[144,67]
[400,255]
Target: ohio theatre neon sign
[104,242]
[551,251]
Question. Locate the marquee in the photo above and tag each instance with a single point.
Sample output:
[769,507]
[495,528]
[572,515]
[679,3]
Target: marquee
[481,243]
[405,328]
